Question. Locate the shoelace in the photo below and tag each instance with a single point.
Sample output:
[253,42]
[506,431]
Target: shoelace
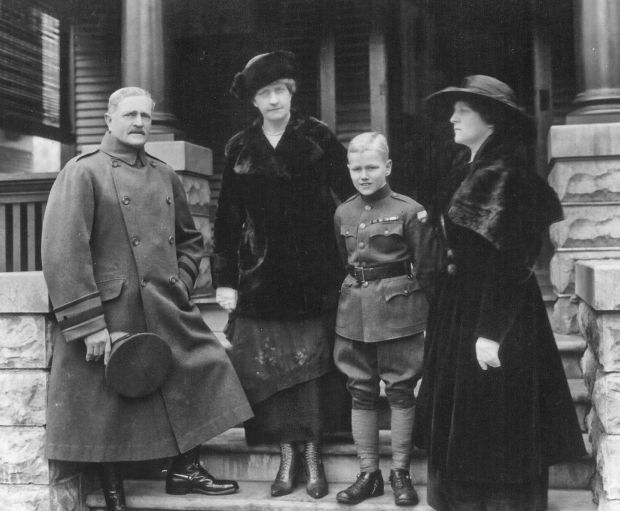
[286,451]
[312,462]
[400,481]
[359,482]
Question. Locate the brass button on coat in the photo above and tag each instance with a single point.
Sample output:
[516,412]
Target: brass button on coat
[135,241]
[143,283]
[168,200]
[367,207]
[362,244]
[153,164]
[362,225]
[173,280]
[125,200]
[171,240]
[116,164]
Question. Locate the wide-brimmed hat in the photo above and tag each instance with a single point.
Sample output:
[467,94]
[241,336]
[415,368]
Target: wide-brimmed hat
[138,365]
[262,70]
[482,88]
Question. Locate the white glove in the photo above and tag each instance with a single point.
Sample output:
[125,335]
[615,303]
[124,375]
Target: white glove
[226,297]
[487,353]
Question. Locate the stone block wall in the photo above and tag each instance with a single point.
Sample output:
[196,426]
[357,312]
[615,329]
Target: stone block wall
[24,362]
[585,273]
[585,173]
[598,288]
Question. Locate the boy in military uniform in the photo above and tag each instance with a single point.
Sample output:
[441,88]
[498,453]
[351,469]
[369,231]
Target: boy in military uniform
[381,316]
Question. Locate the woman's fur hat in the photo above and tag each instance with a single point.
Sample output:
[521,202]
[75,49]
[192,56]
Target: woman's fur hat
[262,70]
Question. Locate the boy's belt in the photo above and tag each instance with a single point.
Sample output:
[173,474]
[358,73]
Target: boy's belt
[364,274]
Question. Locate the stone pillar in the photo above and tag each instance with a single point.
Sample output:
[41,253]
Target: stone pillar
[194,165]
[598,288]
[597,45]
[143,61]
[24,361]
[585,172]
[144,64]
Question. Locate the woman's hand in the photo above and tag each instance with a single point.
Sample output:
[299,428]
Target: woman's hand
[487,353]
[226,297]
[98,345]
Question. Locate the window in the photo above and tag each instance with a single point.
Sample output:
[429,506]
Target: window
[33,58]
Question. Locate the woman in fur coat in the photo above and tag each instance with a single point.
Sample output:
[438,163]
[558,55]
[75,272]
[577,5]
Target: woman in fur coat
[494,410]
[277,269]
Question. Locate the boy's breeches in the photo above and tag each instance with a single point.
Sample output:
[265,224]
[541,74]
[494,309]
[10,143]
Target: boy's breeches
[397,362]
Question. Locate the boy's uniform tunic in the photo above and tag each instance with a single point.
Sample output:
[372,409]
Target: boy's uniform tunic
[377,237]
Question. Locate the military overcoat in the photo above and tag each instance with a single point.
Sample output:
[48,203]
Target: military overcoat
[373,231]
[120,250]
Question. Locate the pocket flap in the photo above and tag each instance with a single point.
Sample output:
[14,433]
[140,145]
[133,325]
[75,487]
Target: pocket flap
[399,287]
[386,229]
[110,289]
[348,230]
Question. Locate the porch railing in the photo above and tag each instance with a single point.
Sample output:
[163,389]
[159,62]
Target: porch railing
[23,197]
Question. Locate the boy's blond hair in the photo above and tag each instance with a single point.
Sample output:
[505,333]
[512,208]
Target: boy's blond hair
[369,141]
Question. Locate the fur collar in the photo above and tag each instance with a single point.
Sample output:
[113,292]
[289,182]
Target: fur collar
[302,143]
[500,194]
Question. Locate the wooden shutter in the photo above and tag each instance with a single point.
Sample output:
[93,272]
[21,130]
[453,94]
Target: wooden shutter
[97,66]
[352,68]
[30,69]
[299,32]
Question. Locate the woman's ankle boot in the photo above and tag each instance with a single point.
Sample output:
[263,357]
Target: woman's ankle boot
[286,478]
[316,482]
[112,486]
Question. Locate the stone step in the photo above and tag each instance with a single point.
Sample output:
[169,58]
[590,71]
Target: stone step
[229,455]
[148,495]
[582,402]
[571,348]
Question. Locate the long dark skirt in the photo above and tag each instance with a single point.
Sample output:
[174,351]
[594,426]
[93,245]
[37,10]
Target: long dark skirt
[306,411]
[287,372]
[448,495]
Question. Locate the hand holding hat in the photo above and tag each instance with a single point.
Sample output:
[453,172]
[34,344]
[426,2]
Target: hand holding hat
[138,364]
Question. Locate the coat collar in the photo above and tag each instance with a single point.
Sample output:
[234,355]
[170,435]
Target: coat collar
[500,192]
[115,148]
[380,194]
[298,144]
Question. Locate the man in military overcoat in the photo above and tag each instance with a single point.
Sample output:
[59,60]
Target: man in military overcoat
[120,253]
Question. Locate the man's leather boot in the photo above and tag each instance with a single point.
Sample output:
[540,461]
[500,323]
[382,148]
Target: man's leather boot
[316,483]
[286,478]
[112,486]
[187,475]
[402,486]
[368,484]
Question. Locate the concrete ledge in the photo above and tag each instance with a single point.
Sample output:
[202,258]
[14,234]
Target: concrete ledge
[181,155]
[598,283]
[584,140]
[23,292]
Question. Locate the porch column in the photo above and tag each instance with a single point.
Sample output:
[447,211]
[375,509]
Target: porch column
[597,51]
[144,58]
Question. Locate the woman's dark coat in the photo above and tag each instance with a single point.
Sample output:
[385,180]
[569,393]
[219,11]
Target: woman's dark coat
[120,250]
[503,425]
[273,240]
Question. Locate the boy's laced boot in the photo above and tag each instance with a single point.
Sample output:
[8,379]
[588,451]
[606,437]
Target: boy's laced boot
[286,478]
[112,486]
[187,475]
[402,486]
[368,484]
[316,483]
